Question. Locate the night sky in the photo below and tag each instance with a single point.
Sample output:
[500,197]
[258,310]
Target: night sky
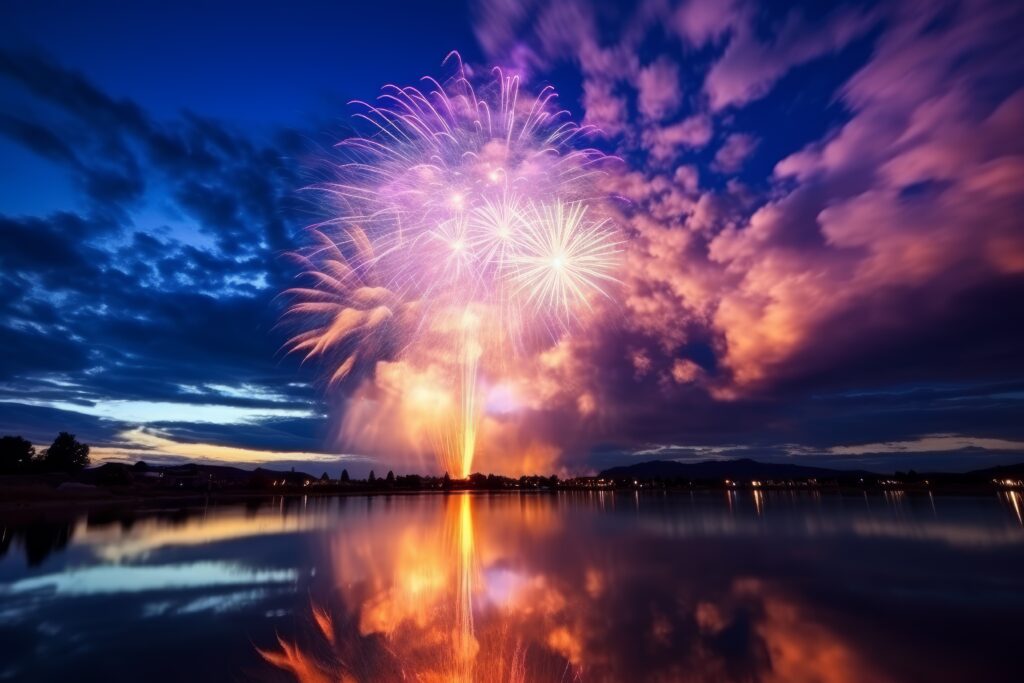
[826,256]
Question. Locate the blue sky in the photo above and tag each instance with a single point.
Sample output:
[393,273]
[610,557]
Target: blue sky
[829,281]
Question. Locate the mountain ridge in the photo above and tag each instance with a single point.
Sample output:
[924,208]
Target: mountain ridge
[746,468]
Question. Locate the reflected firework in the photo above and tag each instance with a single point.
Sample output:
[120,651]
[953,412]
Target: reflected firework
[465,235]
[464,588]
[422,601]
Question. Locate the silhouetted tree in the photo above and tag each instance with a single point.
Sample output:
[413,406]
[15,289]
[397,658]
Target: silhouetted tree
[391,477]
[372,478]
[446,482]
[16,454]
[66,454]
[344,476]
[324,478]
[140,466]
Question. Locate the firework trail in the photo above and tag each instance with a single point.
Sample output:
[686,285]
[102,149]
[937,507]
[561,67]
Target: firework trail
[465,232]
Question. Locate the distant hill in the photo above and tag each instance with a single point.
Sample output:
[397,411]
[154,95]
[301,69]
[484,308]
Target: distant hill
[1001,472]
[741,469]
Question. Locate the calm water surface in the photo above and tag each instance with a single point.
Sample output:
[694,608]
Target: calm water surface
[773,586]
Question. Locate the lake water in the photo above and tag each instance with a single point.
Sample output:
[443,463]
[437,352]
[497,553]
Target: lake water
[713,586]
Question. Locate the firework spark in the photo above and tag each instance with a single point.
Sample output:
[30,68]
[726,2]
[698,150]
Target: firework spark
[561,258]
[462,231]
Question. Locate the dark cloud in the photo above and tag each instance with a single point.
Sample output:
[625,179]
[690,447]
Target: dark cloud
[40,425]
[276,434]
[104,306]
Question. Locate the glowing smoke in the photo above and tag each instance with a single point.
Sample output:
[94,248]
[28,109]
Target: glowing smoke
[466,237]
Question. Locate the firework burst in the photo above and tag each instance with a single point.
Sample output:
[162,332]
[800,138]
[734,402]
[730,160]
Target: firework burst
[462,230]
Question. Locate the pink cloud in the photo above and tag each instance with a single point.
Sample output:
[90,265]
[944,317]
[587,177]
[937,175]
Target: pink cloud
[498,24]
[658,90]
[750,67]
[847,243]
[814,256]
[734,151]
[665,142]
[861,238]
[702,21]
[604,108]
[688,177]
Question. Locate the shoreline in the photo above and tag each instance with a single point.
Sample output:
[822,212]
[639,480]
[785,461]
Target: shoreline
[154,500]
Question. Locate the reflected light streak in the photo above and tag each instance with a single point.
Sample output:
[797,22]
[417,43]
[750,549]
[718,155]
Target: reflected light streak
[1015,503]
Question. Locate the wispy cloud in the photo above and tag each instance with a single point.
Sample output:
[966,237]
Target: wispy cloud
[156,447]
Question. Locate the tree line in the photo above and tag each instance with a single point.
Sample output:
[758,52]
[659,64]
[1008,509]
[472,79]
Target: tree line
[65,454]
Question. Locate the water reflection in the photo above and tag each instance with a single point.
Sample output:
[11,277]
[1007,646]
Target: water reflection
[714,586]
[38,538]
[499,589]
